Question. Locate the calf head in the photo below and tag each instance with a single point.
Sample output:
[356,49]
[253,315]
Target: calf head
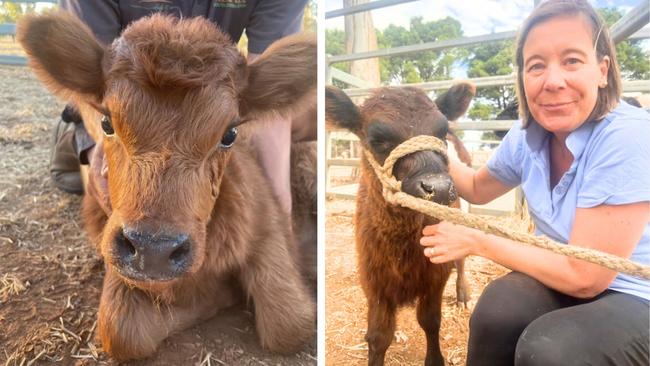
[393,115]
[169,95]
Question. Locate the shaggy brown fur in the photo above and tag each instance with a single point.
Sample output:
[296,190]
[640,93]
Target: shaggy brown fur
[393,270]
[172,89]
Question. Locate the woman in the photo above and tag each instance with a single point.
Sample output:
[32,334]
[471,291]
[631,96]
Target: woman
[582,160]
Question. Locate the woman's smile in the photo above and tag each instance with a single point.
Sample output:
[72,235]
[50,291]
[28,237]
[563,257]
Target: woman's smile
[555,107]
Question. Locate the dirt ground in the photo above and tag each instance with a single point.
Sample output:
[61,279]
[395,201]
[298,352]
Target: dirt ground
[346,303]
[50,277]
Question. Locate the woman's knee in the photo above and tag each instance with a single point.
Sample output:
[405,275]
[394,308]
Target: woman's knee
[506,302]
[537,348]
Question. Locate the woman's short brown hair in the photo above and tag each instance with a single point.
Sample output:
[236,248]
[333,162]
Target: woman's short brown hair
[608,97]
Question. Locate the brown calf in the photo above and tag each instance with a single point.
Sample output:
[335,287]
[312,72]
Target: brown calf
[193,215]
[393,270]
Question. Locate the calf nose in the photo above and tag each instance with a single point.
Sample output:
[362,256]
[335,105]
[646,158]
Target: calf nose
[145,256]
[438,189]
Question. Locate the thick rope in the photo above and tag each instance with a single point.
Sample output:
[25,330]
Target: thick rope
[392,192]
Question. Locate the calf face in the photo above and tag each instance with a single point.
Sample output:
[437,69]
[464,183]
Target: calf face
[168,97]
[393,115]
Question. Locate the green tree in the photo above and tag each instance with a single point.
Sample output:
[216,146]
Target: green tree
[335,45]
[481,111]
[423,66]
[490,136]
[334,42]
[10,12]
[632,58]
[309,21]
[491,59]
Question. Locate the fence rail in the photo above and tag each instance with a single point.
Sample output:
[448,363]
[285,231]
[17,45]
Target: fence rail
[488,81]
[364,7]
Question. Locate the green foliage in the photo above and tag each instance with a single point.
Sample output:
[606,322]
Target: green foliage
[481,111]
[491,59]
[335,45]
[423,66]
[10,12]
[309,21]
[334,42]
[490,136]
[632,59]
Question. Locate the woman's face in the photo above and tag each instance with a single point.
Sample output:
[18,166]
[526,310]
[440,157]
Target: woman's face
[561,73]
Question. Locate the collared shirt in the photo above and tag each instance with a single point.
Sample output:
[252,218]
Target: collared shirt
[611,166]
[265,21]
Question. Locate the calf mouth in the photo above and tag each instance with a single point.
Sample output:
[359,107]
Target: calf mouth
[437,188]
[137,277]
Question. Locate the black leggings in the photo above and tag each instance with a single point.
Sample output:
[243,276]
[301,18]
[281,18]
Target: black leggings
[519,321]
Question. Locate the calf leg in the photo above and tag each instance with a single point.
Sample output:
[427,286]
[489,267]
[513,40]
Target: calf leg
[381,329]
[285,314]
[462,288]
[429,314]
[131,323]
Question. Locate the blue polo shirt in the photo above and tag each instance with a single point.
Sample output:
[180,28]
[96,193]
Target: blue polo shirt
[611,166]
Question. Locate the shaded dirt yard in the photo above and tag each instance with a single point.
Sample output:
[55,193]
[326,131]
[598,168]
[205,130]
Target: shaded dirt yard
[346,304]
[51,277]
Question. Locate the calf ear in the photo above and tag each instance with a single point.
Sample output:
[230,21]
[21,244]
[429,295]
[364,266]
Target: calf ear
[455,101]
[340,111]
[282,79]
[64,54]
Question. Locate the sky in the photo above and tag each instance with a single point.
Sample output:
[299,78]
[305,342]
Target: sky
[476,16]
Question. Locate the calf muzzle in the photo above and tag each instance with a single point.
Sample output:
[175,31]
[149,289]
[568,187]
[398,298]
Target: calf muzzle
[143,256]
[437,188]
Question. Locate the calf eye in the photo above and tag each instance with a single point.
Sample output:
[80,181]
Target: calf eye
[107,126]
[229,138]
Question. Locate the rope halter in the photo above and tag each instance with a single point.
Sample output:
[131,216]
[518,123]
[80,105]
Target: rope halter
[388,181]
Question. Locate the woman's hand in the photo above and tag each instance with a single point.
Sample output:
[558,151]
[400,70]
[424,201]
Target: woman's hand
[445,242]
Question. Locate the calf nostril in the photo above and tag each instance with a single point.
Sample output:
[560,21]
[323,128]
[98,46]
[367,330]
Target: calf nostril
[124,247]
[427,187]
[453,195]
[179,257]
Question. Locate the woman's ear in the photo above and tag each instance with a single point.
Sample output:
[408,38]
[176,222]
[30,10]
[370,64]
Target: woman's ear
[603,65]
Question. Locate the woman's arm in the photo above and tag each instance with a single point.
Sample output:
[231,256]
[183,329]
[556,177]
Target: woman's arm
[608,228]
[476,186]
